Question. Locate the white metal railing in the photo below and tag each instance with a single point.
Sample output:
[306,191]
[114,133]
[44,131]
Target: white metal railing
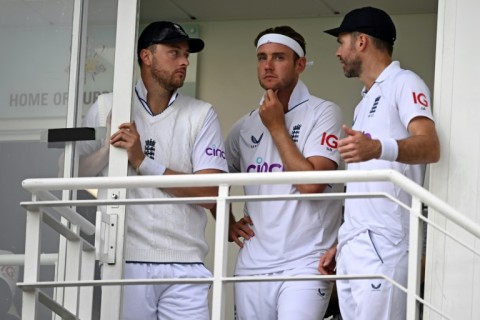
[43,199]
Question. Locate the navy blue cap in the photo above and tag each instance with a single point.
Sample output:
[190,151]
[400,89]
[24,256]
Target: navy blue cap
[372,21]
[167,32]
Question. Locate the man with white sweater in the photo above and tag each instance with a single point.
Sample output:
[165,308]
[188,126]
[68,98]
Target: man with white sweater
[170,134]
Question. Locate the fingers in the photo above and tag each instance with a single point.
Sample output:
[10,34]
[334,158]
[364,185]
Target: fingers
[127,132]
[327,263]
[248,220]
[270,95]
[241,231]
[321,266]
[348,131]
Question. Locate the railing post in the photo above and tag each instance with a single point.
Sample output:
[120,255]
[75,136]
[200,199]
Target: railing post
[127,14]
[63,296]
[414,259]
[221,254]
[32,261]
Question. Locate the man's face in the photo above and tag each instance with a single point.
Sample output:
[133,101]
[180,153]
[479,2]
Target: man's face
[348,55]
[168,64]
[277,68]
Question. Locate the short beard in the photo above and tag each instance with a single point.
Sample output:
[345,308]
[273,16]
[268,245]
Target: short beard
[353,69]
[166,83]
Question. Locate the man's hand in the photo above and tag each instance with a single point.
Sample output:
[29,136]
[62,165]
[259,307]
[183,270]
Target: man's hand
[127,138]
[241,229]
[357,146]
[272,112]
[327,264]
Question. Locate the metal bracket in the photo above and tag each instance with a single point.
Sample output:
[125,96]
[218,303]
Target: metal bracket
[106,237]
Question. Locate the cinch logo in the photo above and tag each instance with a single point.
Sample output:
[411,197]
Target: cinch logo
[330,140]
[420,98]
[261,166]
[214,152]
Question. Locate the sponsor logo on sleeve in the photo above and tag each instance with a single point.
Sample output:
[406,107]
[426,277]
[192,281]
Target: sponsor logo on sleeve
[421,99]
[213,151]
[330,141]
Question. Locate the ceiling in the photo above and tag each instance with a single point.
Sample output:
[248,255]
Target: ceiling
[218,10]
[16,13]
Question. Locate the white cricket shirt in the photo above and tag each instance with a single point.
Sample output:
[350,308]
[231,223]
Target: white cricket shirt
[288,234]
[385,111]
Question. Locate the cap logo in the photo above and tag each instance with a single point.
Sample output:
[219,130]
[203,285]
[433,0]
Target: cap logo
[180,30]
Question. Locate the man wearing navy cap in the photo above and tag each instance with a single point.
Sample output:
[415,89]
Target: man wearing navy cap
[393,129]
[170,134]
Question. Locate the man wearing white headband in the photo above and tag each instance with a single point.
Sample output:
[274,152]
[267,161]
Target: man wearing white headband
[290,131]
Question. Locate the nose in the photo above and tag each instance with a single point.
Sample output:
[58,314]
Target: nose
[268,63]
[337,53]
[185,61]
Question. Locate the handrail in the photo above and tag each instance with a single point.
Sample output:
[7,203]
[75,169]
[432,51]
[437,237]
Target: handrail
[240,179]
[16,259]
[42,198]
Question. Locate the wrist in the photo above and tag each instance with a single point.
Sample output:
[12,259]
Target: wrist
[389,149]
[137,167]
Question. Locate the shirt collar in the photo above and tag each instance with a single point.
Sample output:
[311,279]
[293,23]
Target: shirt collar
[300,94]
[141,91]
[392,68]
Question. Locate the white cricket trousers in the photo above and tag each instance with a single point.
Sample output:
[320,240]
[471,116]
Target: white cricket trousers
[166,301]
[370,253]
[288,300]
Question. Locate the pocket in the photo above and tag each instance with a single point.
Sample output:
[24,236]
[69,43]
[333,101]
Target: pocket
[374,247]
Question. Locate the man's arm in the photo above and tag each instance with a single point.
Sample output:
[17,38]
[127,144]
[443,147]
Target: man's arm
[194,191]
[272,115]
[91,164]
[128,138]
[422,146]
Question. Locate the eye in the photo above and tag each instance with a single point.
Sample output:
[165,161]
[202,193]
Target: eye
[261,58]
[174,54]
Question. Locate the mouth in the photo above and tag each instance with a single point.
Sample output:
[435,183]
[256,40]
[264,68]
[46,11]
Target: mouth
[181,72]
[268,77]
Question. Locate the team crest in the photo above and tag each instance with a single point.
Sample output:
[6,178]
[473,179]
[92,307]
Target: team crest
[150,148]
[295,132]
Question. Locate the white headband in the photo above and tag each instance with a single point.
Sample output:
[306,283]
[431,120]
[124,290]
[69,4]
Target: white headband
[280,38]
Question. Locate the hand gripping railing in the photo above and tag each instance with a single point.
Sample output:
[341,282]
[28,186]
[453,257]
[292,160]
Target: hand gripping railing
[43,199]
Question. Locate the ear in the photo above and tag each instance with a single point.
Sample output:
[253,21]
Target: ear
[146,56]
[362,42]
[301,64]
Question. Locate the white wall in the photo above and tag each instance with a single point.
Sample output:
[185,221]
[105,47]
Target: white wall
[227,67]
[227,71]
[453,273]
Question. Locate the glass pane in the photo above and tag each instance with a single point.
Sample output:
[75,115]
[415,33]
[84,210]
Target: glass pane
[35,69]
[35,51]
